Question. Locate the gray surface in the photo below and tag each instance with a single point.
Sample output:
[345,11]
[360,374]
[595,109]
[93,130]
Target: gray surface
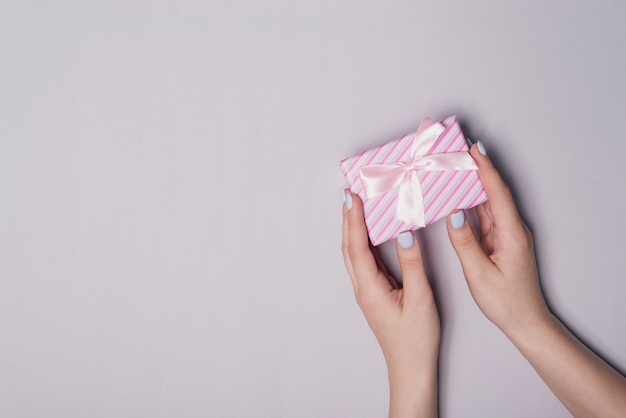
[169,182]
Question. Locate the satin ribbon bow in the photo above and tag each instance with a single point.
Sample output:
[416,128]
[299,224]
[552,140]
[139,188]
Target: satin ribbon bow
[385,177]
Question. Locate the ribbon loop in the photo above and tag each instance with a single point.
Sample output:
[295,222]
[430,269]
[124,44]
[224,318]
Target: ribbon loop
[381,178]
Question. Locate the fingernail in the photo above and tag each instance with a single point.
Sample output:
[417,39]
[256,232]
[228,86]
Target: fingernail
[481,148]
[405,239]
[348,197]
[457,219]
[469,142]
[343,196]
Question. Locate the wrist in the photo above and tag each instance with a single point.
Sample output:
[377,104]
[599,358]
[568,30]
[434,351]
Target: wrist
[534,330]
[523,325]
[413,394]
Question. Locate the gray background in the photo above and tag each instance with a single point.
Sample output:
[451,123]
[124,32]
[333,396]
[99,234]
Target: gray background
[170,213]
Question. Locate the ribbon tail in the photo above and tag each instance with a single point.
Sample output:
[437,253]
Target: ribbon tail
[410,207]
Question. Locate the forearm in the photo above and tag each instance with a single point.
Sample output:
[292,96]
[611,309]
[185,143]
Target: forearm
[583,382]
[413,396]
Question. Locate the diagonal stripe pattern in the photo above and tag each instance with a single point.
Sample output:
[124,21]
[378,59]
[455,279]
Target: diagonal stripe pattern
[443,191]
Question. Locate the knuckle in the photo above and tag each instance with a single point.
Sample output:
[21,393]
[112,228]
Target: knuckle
[529,235]
[411,263]
[524,241]
[366,300]
[354,251]
[466,241]
[505,193]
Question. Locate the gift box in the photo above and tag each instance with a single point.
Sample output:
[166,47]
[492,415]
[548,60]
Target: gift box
[415,180]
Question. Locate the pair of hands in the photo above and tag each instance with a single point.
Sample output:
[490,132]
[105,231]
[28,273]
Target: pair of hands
[500,271]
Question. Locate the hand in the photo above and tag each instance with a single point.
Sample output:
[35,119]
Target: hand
[502,273]
[405,321]
[502,277]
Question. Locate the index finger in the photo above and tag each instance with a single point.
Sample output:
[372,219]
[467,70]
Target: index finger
[503,209]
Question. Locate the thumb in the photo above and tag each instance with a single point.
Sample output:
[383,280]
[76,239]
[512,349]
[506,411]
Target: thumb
[414,280]
[473,259]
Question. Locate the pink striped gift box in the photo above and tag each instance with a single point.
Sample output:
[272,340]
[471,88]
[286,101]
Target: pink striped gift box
[443,191]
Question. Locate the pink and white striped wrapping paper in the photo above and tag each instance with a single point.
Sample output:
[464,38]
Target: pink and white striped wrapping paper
[443,191]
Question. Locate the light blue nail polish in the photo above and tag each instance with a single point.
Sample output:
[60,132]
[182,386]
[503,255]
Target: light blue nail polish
[481,148]
[343,196]
[457,219]
[405,239]
[349,200]
[469,142]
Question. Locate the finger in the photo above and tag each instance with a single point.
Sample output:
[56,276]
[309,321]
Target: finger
[344,242]
[414,279]
[473,259]
[366,273]
[501,201]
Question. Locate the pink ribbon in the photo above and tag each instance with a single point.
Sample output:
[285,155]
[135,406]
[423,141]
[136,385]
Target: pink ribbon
[385,177]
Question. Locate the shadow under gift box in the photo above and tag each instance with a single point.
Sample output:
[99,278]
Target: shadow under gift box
[442,191]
